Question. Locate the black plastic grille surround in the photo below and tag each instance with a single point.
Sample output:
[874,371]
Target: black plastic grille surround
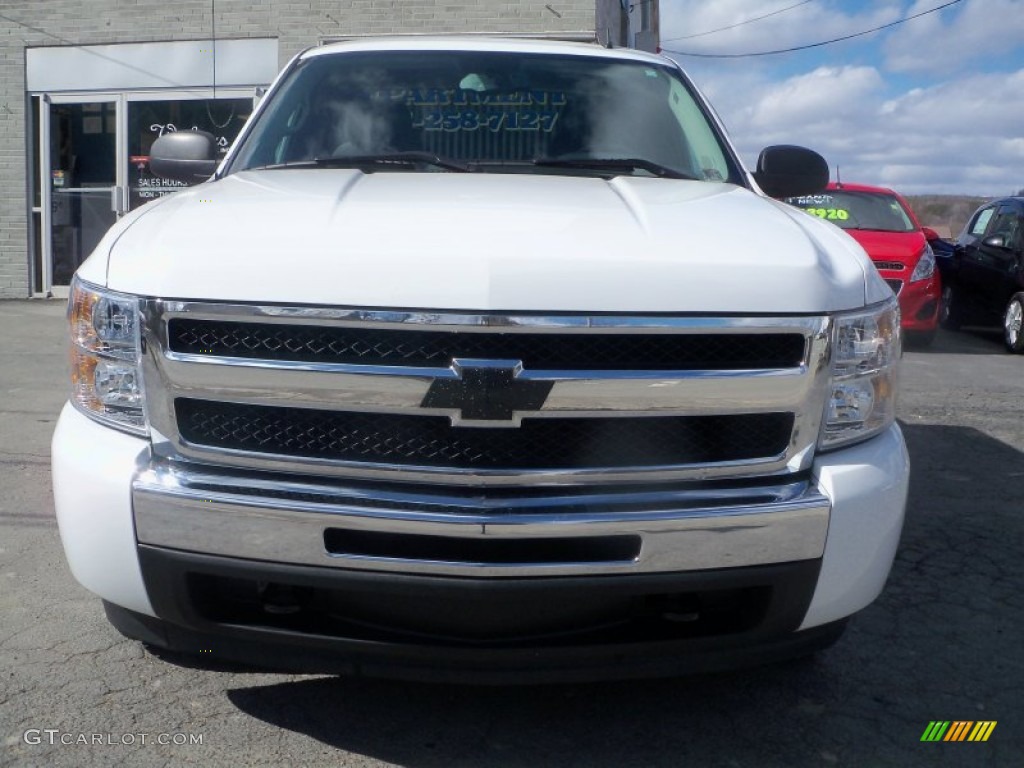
[434,348]
[431,441]
[890,266]
[896,285]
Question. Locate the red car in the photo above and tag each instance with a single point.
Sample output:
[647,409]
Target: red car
[886,227]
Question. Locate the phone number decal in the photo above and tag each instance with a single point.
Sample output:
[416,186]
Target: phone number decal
[452,120]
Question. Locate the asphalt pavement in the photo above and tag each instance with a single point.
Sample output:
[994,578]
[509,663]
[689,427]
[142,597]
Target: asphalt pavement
[943,642]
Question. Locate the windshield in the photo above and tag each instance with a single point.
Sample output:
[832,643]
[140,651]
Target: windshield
[857,210]
[438,111]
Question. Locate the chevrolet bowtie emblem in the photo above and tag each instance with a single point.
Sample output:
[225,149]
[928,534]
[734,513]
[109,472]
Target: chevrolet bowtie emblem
[487,393]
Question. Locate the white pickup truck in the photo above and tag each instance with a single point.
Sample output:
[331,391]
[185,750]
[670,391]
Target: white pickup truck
[481,359]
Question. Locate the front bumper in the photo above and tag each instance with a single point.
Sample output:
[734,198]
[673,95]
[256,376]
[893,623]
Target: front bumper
[365,576]
[919,303]
[189,591]
[418,530]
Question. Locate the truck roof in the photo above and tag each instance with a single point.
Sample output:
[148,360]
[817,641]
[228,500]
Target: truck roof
[481,43]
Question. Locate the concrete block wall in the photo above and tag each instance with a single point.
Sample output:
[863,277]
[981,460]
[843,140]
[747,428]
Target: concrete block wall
[296,24]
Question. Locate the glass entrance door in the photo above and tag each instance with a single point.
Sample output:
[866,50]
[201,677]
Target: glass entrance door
[82,182]
[94,161]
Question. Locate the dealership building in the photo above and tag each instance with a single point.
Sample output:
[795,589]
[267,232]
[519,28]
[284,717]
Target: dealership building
[88,86]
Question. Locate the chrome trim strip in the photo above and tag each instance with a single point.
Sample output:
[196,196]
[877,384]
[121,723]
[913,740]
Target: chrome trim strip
[800,390]
[474,477]
[204,480]
[401,390]
[481,322]
[694,530]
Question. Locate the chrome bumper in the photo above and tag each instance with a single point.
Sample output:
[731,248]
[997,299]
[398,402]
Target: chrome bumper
[289,522]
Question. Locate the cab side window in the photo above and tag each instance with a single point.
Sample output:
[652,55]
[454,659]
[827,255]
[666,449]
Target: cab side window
[1007,225]
[977,227]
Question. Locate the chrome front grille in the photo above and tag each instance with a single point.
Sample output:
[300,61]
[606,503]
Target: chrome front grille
[536,351]
[374,395]
[538,444]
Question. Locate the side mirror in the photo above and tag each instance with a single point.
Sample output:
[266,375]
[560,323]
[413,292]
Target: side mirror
[995,241]
[930,234]
[788,171]
[188,156]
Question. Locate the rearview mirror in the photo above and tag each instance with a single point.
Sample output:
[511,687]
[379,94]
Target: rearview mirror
[930,234]
[995,241]
[789,171]
[188,156]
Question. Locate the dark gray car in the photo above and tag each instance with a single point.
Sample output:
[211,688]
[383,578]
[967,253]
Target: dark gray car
[985,278]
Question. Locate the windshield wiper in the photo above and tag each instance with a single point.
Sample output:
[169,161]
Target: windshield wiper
[371,161]
[614,164]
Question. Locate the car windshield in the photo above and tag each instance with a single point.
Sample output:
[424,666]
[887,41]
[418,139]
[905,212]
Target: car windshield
[851,209]
[450,111]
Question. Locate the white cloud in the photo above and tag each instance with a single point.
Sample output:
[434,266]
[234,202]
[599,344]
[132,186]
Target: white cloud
[947,138]
[980,106]
[822,98]
[942,43]
[823,109]
[933,105]
[803,25]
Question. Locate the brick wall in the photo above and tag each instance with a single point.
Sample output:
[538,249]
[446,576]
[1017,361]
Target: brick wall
[296,24]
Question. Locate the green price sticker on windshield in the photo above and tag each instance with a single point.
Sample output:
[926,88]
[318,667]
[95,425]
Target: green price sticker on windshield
[832,214]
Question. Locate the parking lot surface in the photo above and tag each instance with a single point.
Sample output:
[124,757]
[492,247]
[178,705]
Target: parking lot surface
[943,642]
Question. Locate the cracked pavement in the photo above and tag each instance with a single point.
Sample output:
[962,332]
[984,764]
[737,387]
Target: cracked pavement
[943,642]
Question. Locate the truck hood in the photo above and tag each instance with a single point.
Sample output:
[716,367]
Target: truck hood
[483,242]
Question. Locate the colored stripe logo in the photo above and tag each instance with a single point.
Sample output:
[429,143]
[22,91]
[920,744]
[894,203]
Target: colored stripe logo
[958,730]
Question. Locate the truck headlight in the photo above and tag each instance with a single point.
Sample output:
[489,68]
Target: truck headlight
[106,356]
[862,392]
[925,267]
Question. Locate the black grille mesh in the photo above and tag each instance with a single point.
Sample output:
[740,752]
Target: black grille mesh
[583,352]
[431,441]
[896,285]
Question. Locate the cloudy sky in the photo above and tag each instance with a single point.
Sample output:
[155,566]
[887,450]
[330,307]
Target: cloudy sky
[933,105]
